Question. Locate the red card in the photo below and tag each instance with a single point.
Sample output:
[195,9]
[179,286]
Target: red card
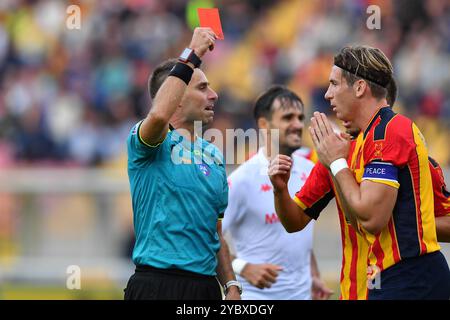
[210,18]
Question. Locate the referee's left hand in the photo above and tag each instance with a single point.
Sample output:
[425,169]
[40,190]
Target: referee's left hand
[233,294]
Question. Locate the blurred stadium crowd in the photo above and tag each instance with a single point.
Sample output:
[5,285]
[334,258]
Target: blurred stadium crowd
[69,97]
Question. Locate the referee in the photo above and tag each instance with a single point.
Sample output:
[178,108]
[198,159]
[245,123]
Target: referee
[179,188]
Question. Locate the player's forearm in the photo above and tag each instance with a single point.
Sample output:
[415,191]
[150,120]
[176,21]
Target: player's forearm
[291,216]
[345,207]
[314,267]
[168,98]
[351,194]
[371,206]
[224,269]
[443,228]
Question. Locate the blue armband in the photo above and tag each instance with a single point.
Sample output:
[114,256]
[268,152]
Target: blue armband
[381,171]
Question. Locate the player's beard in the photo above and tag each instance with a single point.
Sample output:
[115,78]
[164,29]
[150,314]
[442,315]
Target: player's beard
[288,150]
[353,133]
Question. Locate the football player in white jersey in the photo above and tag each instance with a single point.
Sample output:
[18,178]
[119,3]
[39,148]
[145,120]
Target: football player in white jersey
[271,263]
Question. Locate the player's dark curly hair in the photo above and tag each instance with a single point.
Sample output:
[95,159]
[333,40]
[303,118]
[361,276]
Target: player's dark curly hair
[264,103]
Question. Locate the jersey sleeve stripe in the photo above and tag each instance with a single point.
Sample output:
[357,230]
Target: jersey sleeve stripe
[316,208]
[383,163]
[300,203]
[392,183]
[142,140]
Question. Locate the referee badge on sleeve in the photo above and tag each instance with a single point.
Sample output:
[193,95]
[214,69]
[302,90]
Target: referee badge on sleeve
[204,169]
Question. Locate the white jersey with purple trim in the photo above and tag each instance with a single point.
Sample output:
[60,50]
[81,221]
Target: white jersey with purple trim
[258,235]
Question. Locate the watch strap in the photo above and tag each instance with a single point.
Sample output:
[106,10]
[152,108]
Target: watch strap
[194,59]
[233,283]
[189,55]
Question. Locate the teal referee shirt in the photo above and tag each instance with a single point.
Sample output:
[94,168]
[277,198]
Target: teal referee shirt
[179,191]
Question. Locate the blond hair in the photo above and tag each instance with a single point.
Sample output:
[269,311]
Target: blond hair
[368,63]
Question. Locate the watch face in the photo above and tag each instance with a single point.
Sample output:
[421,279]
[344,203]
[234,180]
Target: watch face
[185,54]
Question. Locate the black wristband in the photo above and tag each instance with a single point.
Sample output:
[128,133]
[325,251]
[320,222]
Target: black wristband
[182,71]
[194,59]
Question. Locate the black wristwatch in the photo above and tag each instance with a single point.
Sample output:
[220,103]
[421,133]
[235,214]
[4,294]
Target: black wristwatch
[188,55]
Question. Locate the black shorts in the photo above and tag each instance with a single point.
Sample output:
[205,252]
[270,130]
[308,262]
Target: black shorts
[425,277]
[149,283]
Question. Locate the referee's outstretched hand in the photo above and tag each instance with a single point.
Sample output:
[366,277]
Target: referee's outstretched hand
[203,40]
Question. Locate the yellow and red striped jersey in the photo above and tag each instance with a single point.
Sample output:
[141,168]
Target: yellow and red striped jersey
[392,151]
[315,194]
[319,190]
[441,194]
[308,153]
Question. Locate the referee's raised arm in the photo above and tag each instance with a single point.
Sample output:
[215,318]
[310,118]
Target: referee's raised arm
[155,126]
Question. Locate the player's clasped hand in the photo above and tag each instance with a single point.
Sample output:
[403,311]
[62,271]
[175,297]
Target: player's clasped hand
[279,171]
[261,275]
[329,145]
[203,40]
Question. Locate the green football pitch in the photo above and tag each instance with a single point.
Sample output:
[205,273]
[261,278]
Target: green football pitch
[98,292]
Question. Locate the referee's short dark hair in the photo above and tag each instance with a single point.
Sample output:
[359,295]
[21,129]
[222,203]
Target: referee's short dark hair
[263,105]
[159,75]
